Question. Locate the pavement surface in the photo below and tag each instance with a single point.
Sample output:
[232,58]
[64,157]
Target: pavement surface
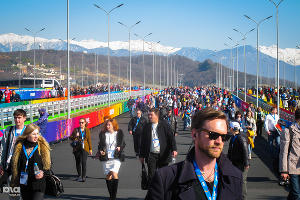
[262,183]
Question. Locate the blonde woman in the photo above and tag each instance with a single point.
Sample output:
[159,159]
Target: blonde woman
[250,125]
[82,146]
[110,151]
[31,150]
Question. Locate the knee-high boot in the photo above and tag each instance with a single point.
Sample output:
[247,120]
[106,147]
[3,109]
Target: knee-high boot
[109,184]
[115,188]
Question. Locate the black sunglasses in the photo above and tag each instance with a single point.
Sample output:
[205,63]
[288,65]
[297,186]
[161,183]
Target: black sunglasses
[214,135]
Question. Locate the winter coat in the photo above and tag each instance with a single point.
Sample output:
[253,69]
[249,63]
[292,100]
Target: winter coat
[120,143]
[139,128]
[42,122]
[179,181]
[44,152]
[87,140]
[238,152]
[290,150]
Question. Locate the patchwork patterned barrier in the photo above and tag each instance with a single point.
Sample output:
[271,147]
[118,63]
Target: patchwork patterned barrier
[58,130]
[31,94]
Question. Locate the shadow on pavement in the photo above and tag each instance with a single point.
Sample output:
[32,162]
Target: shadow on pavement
[261,150]
[260,179]
[86,197]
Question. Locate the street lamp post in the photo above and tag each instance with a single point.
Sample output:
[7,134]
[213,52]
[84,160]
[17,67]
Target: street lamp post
[295,71]
[34,36]
[129,34]
[168,65]
[245,76]
[20,71]
[257,51]
[108,50]
[144,58]
[237,67]
[277,56]
[231,62]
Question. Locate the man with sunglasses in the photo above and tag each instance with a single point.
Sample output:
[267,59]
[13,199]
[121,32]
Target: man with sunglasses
[206,173]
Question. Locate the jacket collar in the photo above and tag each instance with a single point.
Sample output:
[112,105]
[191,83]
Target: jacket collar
[188,172]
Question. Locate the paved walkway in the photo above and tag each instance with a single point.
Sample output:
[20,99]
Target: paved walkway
[262,184]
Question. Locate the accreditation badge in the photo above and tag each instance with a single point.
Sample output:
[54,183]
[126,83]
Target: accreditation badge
[23,178]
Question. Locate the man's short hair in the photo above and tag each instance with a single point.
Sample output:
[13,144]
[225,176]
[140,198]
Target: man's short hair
[20,112]
[155,110]
[206,114]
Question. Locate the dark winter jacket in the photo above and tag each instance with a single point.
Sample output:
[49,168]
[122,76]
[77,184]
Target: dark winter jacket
[120,143]
[179,181]
[138,130]
[166,140]
[238,152]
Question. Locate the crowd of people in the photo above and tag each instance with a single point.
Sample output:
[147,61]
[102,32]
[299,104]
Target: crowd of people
[289,96]
[207,172]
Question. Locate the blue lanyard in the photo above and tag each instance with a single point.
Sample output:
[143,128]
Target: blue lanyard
[203,183]
[233,139]
[82,134]
[31,154]
[137,122]
[16,135]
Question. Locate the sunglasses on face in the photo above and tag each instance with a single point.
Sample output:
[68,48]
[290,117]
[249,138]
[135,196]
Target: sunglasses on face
[81,122]
[214,135]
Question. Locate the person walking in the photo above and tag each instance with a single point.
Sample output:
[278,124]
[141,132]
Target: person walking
[8,142]
[260,119]
[238,155]
[158,143]
[270,123]
[31,161]
[42,121]
[130,105]
[135,128]
[206,173]
[250,125]
[172,121]
[289,155]
[82,146]
[110,152]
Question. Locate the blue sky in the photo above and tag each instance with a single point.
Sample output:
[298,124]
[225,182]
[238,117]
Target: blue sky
[190,23]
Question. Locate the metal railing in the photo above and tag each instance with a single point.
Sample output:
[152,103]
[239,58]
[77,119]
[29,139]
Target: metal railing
[60,107]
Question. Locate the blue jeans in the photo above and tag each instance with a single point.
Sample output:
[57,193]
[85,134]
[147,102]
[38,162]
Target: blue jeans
[295,187]
[250,147]
[131,110]
[186,122]
[274,149]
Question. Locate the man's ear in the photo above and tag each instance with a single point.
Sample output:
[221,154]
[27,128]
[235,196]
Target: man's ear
[194,132]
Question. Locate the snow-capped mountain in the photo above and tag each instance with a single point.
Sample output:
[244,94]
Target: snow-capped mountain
[14,42]
[288,55]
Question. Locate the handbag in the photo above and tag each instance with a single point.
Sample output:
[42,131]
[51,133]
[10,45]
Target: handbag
[144,178]
[54,186]
[74,144]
